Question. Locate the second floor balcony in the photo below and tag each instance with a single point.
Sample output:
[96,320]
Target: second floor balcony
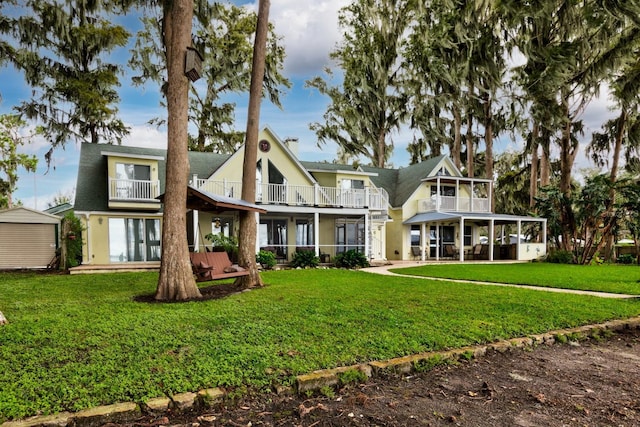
[371,198]
[454,204]
[133,190]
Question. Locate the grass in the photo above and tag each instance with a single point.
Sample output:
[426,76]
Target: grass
[614,278]
[75,342]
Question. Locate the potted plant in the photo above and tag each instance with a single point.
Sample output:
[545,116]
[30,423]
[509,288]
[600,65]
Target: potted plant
[266,259]
[222,243]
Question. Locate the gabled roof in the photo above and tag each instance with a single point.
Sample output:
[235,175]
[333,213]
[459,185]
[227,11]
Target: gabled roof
[399,183]
[92,189]
[60,209]
[22,215]
[402,183]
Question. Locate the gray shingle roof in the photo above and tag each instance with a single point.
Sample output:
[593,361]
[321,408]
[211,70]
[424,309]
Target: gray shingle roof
[399,183]
[92,194]
[91,186]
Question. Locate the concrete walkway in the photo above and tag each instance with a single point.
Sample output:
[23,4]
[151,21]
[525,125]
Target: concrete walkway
[384,270]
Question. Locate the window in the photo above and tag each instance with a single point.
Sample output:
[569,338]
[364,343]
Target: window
[443,172]
[467,235]
[353,193]
[350,235]
[259,180]
[222,226]
[353,184]
[445,190]
[304,233]
[131,171]
[133,182]
[273,233]
[415,235]
[134,239]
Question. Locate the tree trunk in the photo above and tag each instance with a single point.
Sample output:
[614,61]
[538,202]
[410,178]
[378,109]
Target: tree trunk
[469,136]
[568,151]
[533,179]
[248,226]
[457,138]
[470,154]
[488,137]
[176,281]
[382,149]
[545,158]
[609,252]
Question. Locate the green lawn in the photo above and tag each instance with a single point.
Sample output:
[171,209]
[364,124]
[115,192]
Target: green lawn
[79,341]
[615,278]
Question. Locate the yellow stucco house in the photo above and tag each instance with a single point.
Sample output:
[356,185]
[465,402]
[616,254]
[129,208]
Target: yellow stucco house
[424,211]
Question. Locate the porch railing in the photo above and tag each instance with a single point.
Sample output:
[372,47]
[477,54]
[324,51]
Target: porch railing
[454,204]
[303,195]
[134,190]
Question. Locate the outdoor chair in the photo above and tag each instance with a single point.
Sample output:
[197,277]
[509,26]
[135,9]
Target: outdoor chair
[416,252]
[450,251]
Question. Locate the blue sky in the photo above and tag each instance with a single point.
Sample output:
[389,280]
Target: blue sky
[309,31]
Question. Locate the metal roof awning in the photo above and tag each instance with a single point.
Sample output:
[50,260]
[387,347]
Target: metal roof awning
[431,217]
[207,202]
[444,216]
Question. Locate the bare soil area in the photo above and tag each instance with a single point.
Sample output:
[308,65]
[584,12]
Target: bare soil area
[590,383]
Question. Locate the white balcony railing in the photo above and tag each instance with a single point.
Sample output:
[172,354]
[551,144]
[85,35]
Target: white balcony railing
[133,190]
[454,204]
[303,195]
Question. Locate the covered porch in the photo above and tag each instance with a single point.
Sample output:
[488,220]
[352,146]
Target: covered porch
[477,236]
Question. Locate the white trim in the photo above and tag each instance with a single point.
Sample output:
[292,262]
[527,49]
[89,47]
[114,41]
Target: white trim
[131,156]
[349,172]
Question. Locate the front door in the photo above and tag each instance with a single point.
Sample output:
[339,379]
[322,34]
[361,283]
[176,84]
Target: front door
[446,235]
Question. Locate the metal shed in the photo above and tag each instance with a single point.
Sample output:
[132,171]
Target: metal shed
[28,238]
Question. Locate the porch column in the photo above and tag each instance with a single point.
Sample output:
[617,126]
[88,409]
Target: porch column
[438,240]
[196,231]
[461,240]
[367,233]
[491,232]
[423,239]
[518,228]
[316,232]
[257,232]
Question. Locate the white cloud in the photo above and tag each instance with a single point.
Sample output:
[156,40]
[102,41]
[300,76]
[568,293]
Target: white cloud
[310,31]
[146,136]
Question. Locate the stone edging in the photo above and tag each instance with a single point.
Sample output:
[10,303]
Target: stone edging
[121,412]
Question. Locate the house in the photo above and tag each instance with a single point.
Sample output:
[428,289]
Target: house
[324,207]
[28,238]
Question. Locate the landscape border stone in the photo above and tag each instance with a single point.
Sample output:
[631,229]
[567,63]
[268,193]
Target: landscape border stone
[316,380]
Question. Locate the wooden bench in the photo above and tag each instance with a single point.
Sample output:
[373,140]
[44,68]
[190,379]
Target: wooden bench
[214,266]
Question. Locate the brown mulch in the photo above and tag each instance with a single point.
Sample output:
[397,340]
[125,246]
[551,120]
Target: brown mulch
[215,291]
[590,383]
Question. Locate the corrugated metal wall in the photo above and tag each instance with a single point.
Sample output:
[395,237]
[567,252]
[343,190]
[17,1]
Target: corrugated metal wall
[26,245]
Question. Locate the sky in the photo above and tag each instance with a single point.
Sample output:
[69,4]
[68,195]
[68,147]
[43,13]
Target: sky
[309,30]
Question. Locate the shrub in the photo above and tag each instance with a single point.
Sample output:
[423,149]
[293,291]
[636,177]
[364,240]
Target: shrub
[626,259]
[560,257]
[351,259]
[73,240]
[266,258]
[304,259]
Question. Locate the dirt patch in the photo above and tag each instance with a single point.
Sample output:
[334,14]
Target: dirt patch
[215,291]
[591,383]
